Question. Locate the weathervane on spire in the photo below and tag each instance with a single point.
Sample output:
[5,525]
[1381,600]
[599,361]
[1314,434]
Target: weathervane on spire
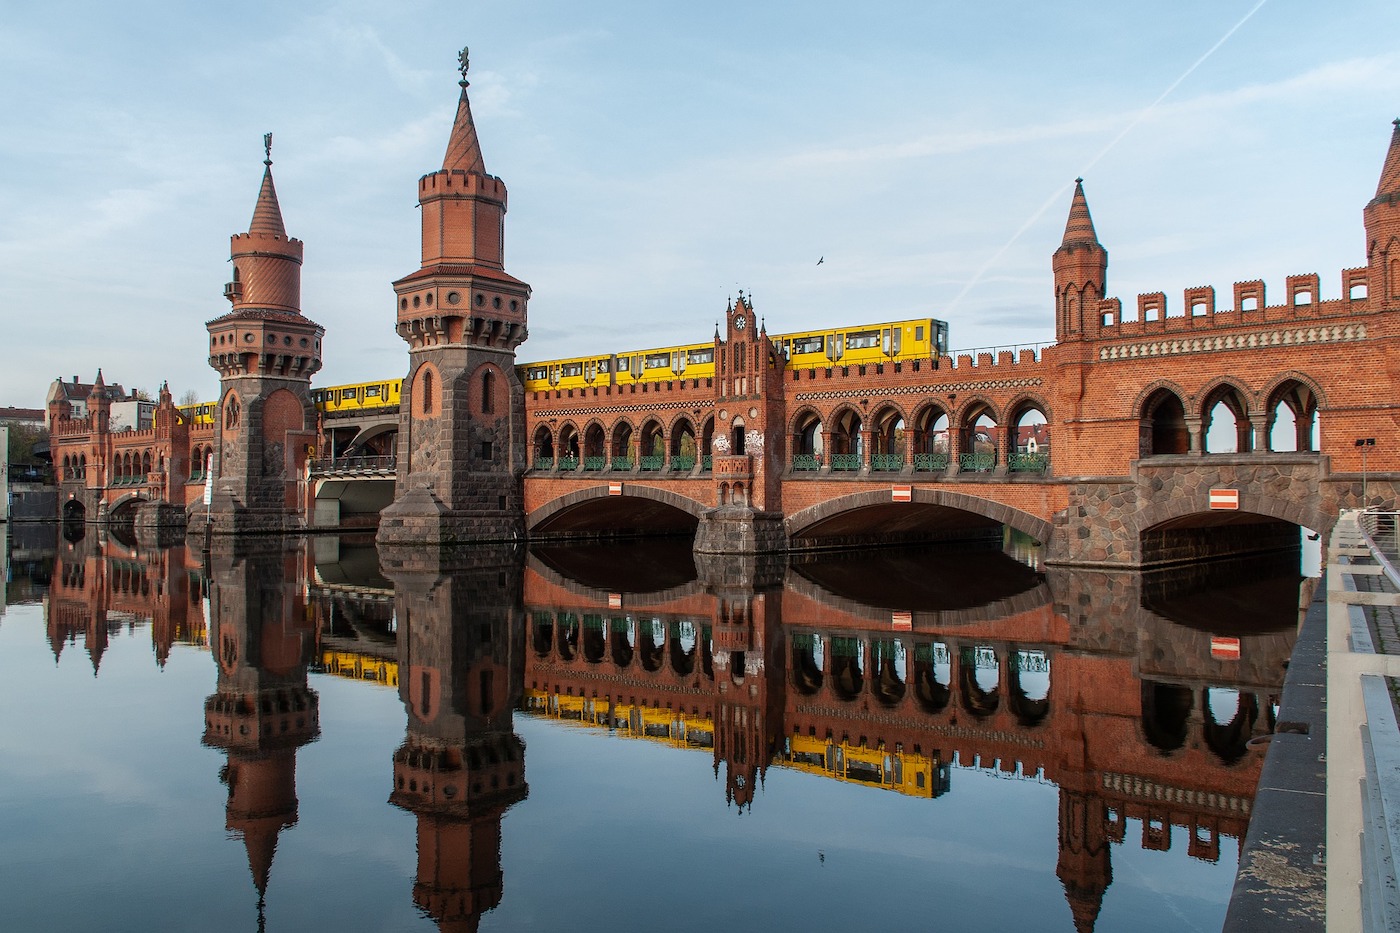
[462,66]
[267,148]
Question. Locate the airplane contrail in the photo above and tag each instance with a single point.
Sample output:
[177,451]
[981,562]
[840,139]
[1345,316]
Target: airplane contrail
[1059,192]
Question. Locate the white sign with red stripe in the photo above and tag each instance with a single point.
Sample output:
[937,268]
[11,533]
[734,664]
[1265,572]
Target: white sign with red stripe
[614,489]
[1227,499]
[614,600]
[1227,649]
[902,494]
[902,621]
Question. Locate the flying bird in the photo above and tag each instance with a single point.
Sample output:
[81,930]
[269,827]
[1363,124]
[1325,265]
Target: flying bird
[822,260]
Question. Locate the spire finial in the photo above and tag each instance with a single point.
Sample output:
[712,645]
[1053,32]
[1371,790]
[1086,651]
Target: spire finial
[462,65]
[267,148]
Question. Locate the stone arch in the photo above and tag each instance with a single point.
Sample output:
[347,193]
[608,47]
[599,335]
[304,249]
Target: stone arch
[542,446]
[1032,525]
[889,434]
[1301,394]
[806,444]
[569,500]
[1028,441]
[844,432]
[621,441]
[651,438]
[1227,393]
[979,444]
[683,442]
[595,443]
[1170,508]
[1161,413]
[127,500]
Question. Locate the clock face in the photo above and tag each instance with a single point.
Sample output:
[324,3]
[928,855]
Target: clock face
[740,322]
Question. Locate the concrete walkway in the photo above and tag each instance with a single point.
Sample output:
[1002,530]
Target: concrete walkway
[1363,740]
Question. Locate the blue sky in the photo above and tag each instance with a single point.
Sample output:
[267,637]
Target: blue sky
[662,156]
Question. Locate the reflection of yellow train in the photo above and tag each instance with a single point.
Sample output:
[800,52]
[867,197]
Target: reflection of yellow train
[907,772]
[920,338]
[361,667]
[671,727]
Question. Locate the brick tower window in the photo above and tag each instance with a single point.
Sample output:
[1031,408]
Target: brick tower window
[488,387]
[427,389]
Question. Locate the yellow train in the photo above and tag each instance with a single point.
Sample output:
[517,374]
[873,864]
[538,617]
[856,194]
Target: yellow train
[891,341]
[907,772]
[358,396]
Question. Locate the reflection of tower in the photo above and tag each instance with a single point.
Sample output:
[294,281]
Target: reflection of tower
[262,710]
[461,765]
[748,683]
[1084,866]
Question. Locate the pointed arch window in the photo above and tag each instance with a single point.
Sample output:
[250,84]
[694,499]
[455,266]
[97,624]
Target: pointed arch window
[488,391]
[427,391]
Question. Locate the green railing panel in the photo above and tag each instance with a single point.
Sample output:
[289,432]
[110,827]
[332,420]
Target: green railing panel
[680,464]
[544,463]
[930,463]
[977,463]
[568,463]
[652,463]
[1029,463]
[845,462]
[806,463]
[887,463]
[622,463]
[594,464]
[705,463]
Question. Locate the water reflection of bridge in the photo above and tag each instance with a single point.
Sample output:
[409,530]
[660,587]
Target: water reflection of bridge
[1097,682]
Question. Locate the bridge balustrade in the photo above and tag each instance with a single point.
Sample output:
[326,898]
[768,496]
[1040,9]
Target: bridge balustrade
[568,463]
[356,465]
[706,463]
[622,463]
[931,463]
[543,463]
[1029,463]
[977,463]
[594,464]
[848,463]
[886,463]
[806,463]
[652,463]
[681,464]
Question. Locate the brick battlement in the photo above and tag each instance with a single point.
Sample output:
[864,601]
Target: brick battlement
[458,182]
[1199,310]
[71,426]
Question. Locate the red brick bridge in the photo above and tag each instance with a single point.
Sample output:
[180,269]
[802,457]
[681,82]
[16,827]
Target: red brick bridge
[1159,431]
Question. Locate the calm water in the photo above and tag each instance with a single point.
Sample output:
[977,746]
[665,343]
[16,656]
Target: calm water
[283,735]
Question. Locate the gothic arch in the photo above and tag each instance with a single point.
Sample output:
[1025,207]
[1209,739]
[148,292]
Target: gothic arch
[1024,403]
[1037,528]
[1149,391]
[1291,376]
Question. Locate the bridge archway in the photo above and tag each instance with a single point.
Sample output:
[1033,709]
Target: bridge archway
[1162,423]
[932,512]
[593,512]
[123,508]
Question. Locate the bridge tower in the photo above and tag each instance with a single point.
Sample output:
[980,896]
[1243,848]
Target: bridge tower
[265,352]
[1382,217]
[461,446]
[1081,271]
[747,463]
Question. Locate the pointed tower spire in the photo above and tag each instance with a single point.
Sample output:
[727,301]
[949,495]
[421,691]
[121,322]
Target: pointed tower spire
[1382,219]
[1081,270]
[463,147]
[1389,186]
[267,214]
[1079,229]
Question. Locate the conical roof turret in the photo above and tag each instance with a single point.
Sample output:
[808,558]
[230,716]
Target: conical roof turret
[1388,189]
[1079,228]
[463,147]
[267,213]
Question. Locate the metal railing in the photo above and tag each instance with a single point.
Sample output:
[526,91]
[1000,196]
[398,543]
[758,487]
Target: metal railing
[1029,463]
[1383,528]
[847,463]
[977,463]
[930,463]
[356,465]
[652,463]
[806,463]
[886,463]
[682,464]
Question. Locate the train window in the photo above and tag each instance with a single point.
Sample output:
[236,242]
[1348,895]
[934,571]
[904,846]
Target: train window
[347,393]
[571,369]
[658,360]
[706,355]
[811,344]
[603,365]
[537,372]
[919,332]
[862,340]
[372,392]
[623,362]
